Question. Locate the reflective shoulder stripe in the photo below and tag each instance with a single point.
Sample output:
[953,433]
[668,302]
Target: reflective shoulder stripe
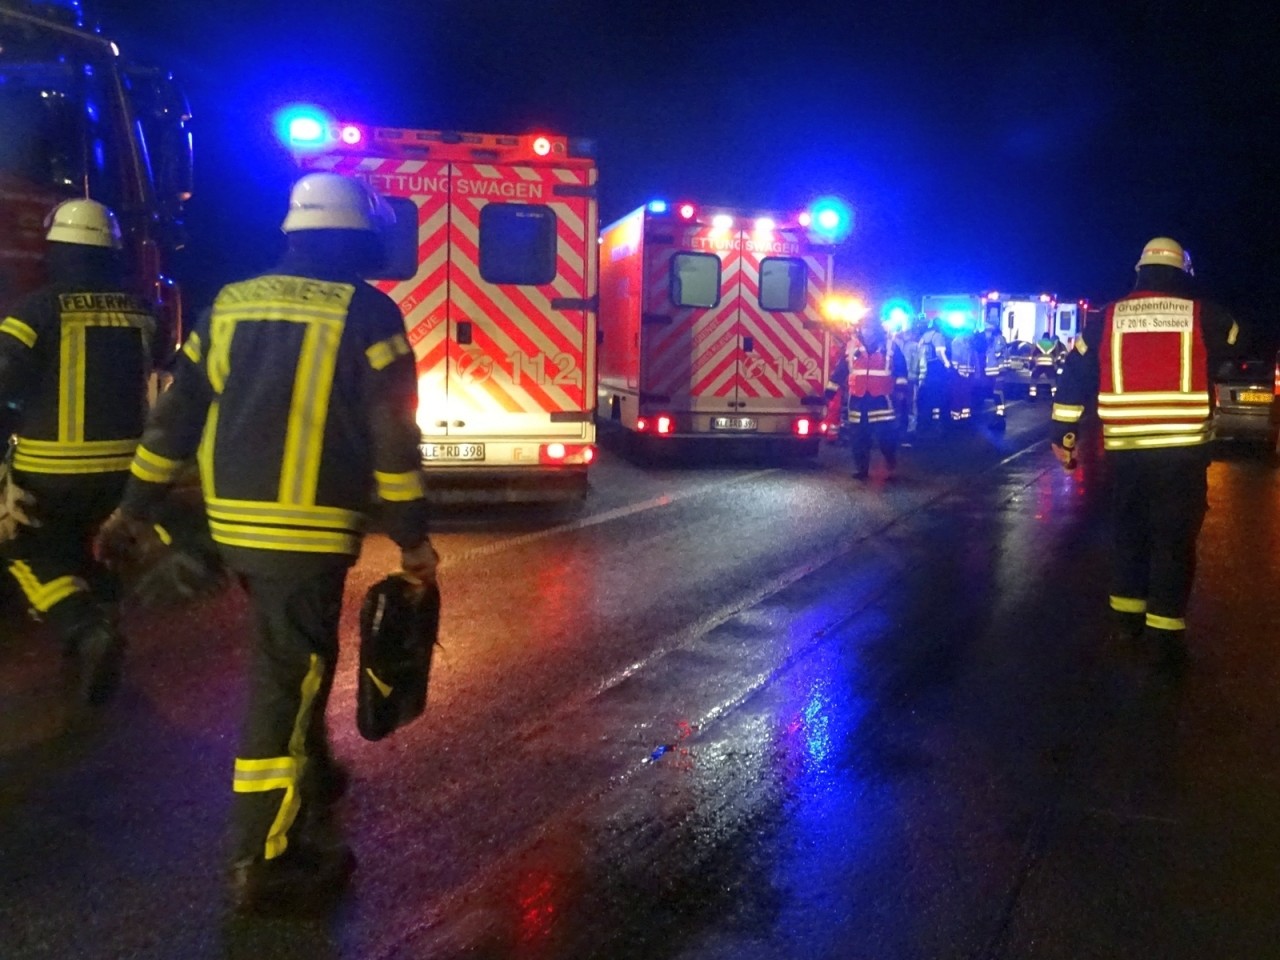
[386,352]
[192,348]
[400,487]
[1081,347]
[19,330]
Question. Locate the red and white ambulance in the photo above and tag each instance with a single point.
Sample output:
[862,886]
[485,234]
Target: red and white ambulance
[711,325]
[494,266]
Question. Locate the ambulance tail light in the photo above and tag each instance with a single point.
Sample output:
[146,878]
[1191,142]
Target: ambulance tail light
[642,425]
[566,454]
[764,225]
[687,211]
[541,146]
[722,221]
[824,427]
[802,427]
[664,424]
[351,135]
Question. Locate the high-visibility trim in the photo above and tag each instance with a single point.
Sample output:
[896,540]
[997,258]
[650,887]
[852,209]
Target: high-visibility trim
[70,465]
[385,352]
[1123,429]
[19,330]
[1155,396]
[45,596]
[1066,413]
[308,412]
[154,468]
[281,538]
[400,487]
[1184,378]
[1233,334]
[86,448]
[261,776]
[192,349]
[1117,364]
[1128,604]
[1153,413]
[1157,622]
[262,512]
[1081,347]
[383,688]
[71,384]
[1141,443]
[204,452]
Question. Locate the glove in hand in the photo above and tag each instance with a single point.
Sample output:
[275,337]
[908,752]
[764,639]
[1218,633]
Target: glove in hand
[420,563]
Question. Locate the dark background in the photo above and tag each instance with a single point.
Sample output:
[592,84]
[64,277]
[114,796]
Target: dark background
[1018,146]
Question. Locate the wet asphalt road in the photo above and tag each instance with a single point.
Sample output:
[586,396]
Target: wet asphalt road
[727,711]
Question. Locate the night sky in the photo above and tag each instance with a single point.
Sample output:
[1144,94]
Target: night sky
[1031,146]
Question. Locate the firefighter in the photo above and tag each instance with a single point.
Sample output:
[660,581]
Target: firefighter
[992,350]
[298,391]
[871,367]
[934,404]
[965,363]
[1148,365]
[75,358]
[1047,355]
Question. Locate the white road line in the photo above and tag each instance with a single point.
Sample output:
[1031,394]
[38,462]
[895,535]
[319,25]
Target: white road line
[665,500]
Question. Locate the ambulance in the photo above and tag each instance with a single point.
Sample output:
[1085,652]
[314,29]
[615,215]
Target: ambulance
[494,265]
[1025,317]
[711,323]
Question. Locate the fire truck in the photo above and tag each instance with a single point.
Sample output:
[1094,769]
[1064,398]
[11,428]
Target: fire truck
[79,121]
[493,263]
[711,324]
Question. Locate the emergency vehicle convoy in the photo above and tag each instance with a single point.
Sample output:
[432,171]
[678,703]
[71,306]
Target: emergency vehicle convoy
[79,122]
[493,263]
[711,323]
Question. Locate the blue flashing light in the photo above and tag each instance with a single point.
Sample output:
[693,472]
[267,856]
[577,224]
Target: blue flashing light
[303,127]
[832,219]
[657,206]
[896,315]
[957,319]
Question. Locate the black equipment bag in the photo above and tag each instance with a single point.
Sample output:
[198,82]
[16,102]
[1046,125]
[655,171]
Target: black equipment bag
[398,627]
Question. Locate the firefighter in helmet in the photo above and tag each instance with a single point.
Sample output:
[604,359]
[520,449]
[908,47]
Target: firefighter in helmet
[1047,355]
[75,358]
[992,350]
[1148,367]
[298,391]
[872,366]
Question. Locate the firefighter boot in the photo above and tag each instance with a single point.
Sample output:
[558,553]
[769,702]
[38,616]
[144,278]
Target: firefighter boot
[303,880]
[99,648]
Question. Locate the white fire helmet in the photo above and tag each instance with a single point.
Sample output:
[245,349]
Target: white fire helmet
[330,201]
[86,222]
[1165,252]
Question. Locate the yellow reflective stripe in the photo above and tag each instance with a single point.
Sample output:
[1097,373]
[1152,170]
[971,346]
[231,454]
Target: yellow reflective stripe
[1128,605]
[53,448]
[71,384]
[1184,378]
[1121,429]
[383,688]
[308,412]
[1065,413]
[154,468]
[1166,623]
[192,348]
[1117,368]
[19,330]
[1232,335]
[288,311]
[1138,443]
[67,465]
[218,364]
[204,453]
[255,511]
[385,352]
[1154,396]
[277,538]
[44,596]
[261,776]
[399,487]
[1153,413]
[1081,347]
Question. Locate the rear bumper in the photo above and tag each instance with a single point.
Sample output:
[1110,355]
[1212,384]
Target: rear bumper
[1244,422]
[468,483]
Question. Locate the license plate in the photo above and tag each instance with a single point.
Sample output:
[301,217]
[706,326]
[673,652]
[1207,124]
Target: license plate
[452,451]
[733,423]
[1253,396]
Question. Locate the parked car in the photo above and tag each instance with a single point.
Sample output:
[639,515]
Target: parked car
[1246,403]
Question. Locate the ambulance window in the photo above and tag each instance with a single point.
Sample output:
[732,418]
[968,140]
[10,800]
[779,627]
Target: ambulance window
[782,284]
[517,243]
[695,279]
[402,241]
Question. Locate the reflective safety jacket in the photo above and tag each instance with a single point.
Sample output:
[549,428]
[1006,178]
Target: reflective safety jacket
[963,355]
[1152,358]
[1047,352]
[874,368]
[298,393]
[994,347]
[75,357]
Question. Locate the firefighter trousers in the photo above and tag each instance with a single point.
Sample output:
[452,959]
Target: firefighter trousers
[53,563]
[934,404]
[1158,506]
[873,419]
[284,746]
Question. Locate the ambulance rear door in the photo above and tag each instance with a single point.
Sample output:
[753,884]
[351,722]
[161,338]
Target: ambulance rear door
[521,316]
